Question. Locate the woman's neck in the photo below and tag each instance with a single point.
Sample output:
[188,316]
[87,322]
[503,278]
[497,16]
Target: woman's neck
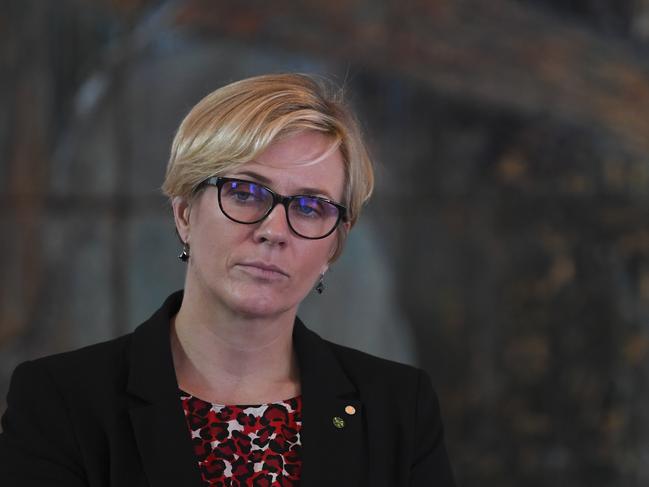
[229,359]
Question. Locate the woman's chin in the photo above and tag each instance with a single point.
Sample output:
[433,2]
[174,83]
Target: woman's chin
[262,302]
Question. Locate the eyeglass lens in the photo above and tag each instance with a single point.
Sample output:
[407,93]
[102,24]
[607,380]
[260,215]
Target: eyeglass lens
[248,202]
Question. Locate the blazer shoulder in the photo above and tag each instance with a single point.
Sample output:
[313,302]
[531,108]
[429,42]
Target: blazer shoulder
[98,360]
[112,356]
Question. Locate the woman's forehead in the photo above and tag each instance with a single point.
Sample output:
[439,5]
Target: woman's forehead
[296,164]
[302,149]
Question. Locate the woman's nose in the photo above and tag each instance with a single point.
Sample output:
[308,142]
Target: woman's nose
[274,228]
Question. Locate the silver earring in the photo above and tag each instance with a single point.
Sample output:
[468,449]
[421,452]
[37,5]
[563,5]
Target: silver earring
[184,255]
[320,286]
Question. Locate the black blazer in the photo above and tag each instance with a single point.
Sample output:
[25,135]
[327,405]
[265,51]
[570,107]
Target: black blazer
[110,415]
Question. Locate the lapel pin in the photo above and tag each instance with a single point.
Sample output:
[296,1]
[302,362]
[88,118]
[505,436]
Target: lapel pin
[351,410]
[339,422]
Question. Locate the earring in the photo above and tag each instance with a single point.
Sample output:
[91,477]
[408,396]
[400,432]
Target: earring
[184,255]
[320,286]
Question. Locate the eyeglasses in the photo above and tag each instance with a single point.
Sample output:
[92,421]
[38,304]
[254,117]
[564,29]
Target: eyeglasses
[248,202]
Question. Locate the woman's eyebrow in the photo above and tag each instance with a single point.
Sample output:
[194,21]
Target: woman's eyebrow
[254,175]
[264,180]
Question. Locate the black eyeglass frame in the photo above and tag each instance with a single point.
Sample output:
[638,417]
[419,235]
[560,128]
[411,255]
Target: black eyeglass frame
[285,201]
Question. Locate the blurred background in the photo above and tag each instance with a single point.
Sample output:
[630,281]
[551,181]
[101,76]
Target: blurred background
[506,249]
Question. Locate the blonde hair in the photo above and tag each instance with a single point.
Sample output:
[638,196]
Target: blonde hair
[236,123]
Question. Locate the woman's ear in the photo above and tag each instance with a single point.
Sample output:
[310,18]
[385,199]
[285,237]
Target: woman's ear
[181,208]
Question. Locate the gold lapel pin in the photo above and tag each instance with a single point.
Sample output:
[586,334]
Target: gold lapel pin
[339,422]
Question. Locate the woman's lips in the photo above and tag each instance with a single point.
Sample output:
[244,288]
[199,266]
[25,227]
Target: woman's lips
[263,270]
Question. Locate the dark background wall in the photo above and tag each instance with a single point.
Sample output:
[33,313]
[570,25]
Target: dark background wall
[506,249]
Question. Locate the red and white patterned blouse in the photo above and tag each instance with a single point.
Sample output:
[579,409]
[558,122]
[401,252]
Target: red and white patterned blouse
[246,445]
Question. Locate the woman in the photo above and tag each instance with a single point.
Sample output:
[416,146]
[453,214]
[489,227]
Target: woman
[224,385]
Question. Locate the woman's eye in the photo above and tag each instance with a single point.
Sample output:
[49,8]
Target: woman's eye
[308,208]
[242,195]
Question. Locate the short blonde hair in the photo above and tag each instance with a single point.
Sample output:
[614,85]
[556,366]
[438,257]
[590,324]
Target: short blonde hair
[235,123]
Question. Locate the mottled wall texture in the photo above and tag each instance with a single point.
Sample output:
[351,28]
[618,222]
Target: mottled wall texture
[507,246]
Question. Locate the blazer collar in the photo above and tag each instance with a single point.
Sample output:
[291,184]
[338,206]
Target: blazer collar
[329,446]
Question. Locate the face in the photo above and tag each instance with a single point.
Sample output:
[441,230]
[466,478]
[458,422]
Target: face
[263,269]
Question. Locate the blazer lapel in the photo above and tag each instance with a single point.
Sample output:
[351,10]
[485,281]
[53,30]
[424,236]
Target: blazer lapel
[155,409]
[333,436]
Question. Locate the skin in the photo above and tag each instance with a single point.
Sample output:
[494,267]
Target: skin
[232,337]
